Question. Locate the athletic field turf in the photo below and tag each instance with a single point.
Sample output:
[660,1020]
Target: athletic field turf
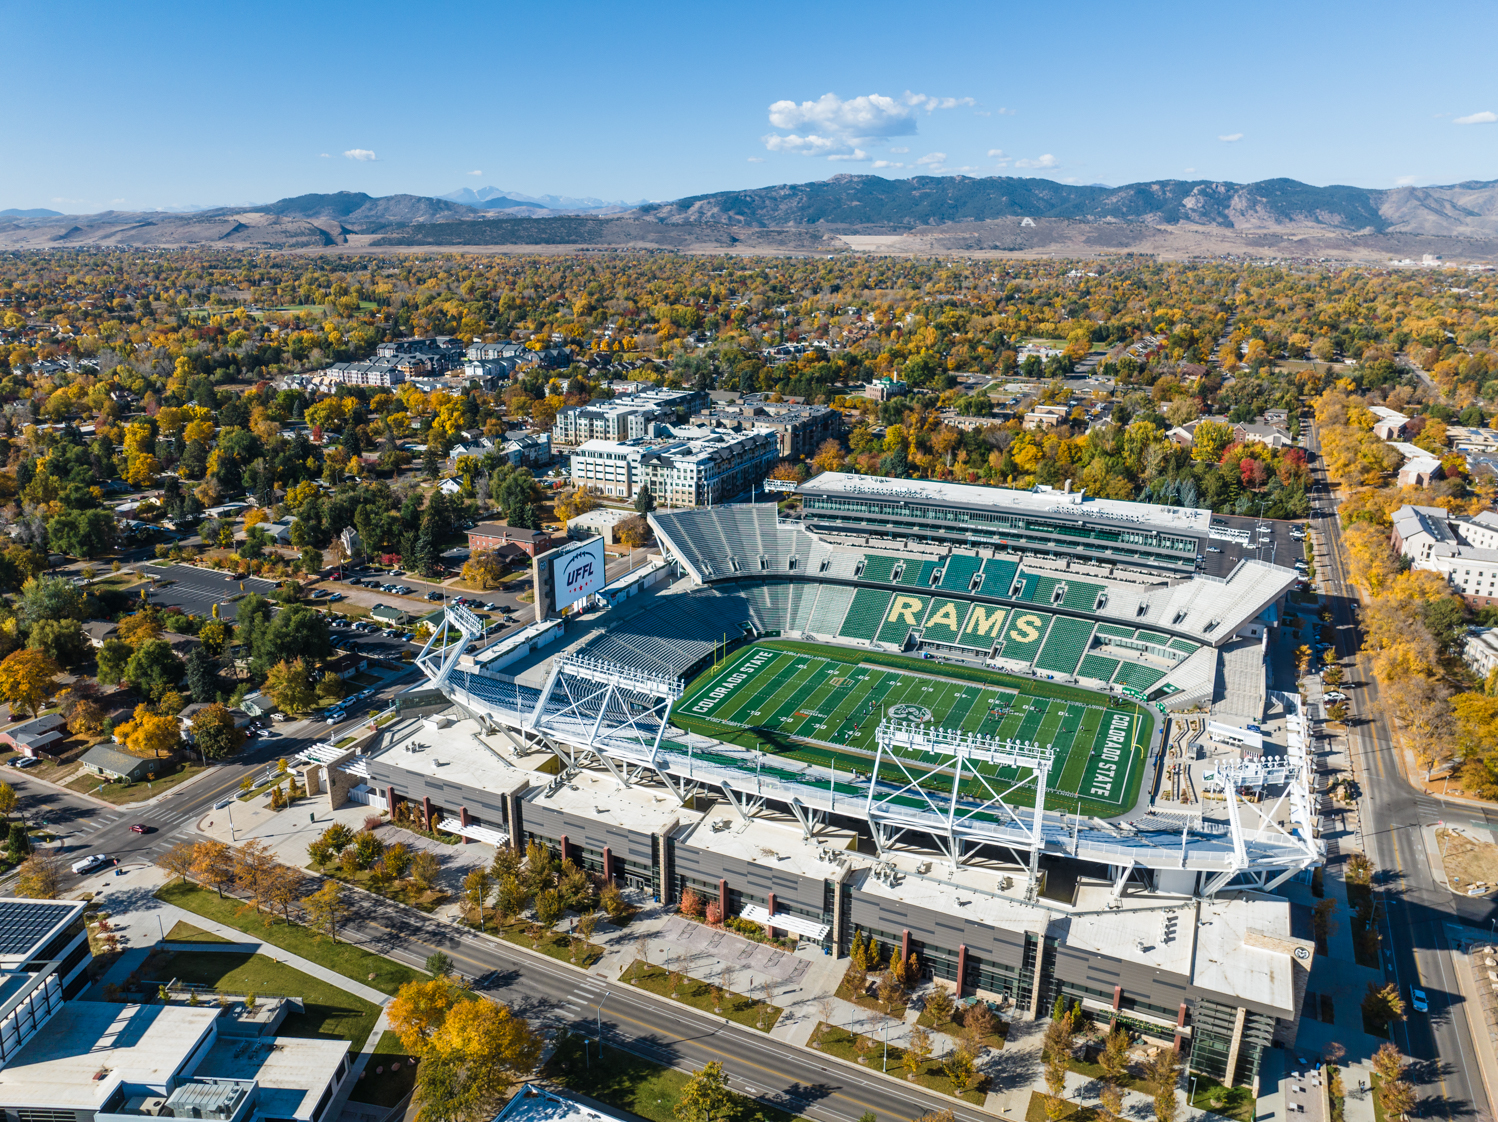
[785,696]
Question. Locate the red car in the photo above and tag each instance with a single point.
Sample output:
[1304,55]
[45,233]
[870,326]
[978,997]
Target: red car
[140,828]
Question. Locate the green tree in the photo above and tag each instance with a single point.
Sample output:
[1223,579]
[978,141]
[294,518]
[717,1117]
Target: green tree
[51,598]
[17,843]
[153,668]
[202,680]
[215,733]
[706,1097]
[82,533]
[61,640]
[644,501]
[112,659]
[288,687]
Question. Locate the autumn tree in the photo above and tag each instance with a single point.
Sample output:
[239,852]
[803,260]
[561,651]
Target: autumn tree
[40,876]
[213,863]
[288,687]
[706,1097]
[326,908]
[150,735]
[1383,1005]
[27,678]
[178,860]
[253,862]
[917,1051]
[1163,1075]
[215,732]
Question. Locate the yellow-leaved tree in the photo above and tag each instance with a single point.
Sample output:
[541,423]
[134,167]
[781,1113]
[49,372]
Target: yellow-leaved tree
[149,734]
[27,678]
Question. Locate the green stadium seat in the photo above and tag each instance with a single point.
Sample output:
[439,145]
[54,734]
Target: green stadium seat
[917,574]
[1065,645]
[984,626]
[1024,634]
[1081,595]
[1152,637]
[1115,631]
[1185,646]
[998,575]
[904,613]
[865,614]
[1096,666]
[1137,675]
[958,574]
[943,623]
[877,568]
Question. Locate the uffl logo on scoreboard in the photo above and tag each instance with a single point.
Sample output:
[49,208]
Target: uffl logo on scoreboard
[578,573]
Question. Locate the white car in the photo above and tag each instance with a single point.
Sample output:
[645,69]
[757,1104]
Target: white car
[90,863]
[1334,695]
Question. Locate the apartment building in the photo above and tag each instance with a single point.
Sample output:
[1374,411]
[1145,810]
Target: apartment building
[1464,550]
[800,429]
[630,419]
[697,467]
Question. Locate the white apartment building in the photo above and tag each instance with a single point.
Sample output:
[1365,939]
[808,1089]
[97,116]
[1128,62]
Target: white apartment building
[702,467]
[629,419]
[1481,651]
[1464,550]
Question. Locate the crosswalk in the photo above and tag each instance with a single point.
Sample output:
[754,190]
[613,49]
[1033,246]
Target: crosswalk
[582,1003]
[168,825]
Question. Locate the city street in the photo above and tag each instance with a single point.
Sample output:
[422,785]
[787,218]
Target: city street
[1417,906]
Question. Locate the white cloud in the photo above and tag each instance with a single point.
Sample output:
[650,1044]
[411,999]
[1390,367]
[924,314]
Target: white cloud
[922,101]
[996,154]
[1405,180]
[323,156]
[1484,118]
[1046,161]
[832,124]
[809,145]
[869,115]
[756,159]
[475,173]
[935,159]
[888,164]
[362,154]
[856,154]
[1231,138]
[901,151]
[1002,112]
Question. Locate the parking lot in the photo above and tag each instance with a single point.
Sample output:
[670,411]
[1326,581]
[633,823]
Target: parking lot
[196,591]
[1269,540]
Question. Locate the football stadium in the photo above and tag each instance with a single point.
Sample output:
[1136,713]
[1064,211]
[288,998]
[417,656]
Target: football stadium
[1030,737]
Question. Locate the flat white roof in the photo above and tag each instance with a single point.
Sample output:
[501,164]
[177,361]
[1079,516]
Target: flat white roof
[135,1043]
[442,748]
[599,798]
[769,844]
[292,1072]
[1072,504]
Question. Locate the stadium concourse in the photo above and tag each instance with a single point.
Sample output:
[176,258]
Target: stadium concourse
[878,728]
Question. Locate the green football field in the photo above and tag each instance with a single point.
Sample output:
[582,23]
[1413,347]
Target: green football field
[787,695]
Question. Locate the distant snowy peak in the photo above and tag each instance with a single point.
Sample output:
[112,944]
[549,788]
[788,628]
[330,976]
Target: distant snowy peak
[490,198]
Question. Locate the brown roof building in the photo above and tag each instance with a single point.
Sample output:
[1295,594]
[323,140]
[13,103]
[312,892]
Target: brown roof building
[493,535]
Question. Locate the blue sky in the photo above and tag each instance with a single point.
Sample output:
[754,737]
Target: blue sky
[166,105]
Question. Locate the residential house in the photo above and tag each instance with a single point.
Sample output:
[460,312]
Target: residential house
[1047,416]
[1390,425]
[100,631]
[241,718]
[345,666]
[32,737]
[388,614]
[117,764]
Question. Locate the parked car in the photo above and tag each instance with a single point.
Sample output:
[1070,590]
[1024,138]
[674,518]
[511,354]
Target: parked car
[434,596]
[24,762]
[1334,695]
[1213,549]
[90,863]
[491,607]
[333,599]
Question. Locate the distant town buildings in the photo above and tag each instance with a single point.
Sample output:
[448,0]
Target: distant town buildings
[629,419]
[800,429]
[1463,550]
[695,467]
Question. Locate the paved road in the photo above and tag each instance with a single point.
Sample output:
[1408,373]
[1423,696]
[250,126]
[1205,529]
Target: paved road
[660,1030]
[1417,907]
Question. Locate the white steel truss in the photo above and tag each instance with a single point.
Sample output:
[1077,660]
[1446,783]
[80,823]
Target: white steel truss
[953,754]
[440,655]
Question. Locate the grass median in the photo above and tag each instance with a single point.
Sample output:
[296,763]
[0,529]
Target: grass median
[353,962]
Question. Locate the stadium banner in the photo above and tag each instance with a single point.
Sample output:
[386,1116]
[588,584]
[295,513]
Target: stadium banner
[567,574]
[780,484]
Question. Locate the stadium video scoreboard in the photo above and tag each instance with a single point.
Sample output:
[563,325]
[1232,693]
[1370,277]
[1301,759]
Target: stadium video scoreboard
[566,575]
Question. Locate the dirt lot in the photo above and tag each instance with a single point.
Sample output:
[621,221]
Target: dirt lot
[1468,862]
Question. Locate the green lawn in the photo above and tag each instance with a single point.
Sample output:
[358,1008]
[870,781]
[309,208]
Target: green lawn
[823,705]
[1237,1103]
[626,1082]
[1070,1111]
[328,1013]
[373,970]
[844,1044]
[120,793]
[743,1009]
[381,1083]
[184,932]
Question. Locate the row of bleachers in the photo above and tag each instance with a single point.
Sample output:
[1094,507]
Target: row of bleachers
[1185,646]
[905,614]
[958,573]
[803,599]
[865,615]
[984,627]
[1065,645]
[841,565]
[917,574]
[1024,634]
[1096,666]
[1081,595]
[1137,675]
[1115,631]
[830,608]
[998,576]
[1152,637]
[944,619]
[674,633]
[878,569]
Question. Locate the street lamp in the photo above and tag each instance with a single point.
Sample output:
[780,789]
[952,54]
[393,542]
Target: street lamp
[1192,1101]
[601,1000]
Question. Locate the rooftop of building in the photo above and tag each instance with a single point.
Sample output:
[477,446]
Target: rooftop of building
[537,1104]
[777,845]
[454,750]
[26,926]
[292,1071]
[1039,501]
[60,1066]
[598,796]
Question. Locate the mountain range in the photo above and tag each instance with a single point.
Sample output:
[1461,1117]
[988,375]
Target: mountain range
[921,214]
